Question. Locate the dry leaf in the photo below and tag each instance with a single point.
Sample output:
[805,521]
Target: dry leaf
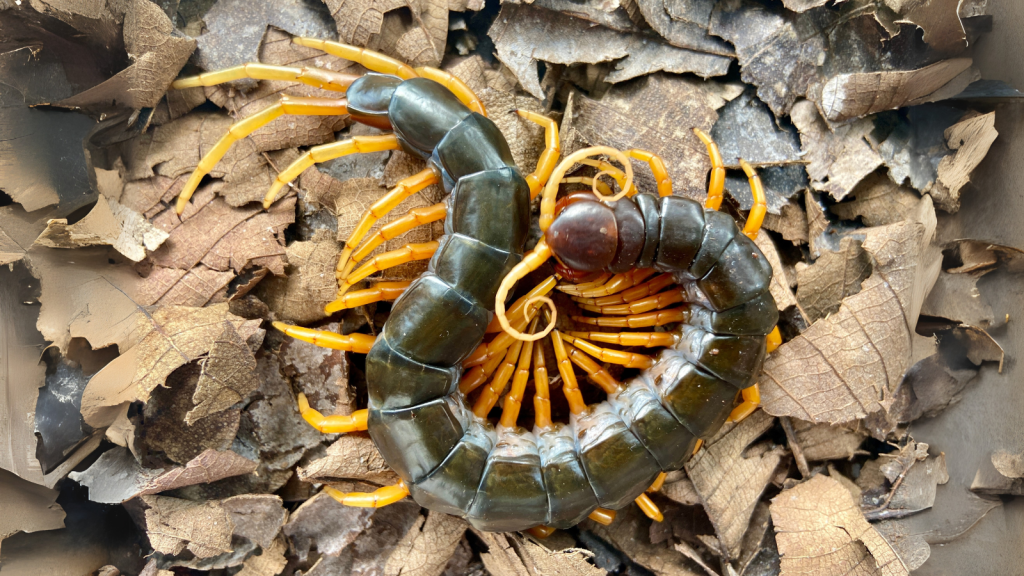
[173,525]
[324,523]
[310,285]
[269,563]
[427,547]
[524,35]
[684,24]
[166,339]
[849,364]
[833,277]
[197,287]
[228,376]
[321,373]
[878,201]
[630,532]
[971,137]
[358,21]
[655,113]
[206,468]
[779,287]
[819,529]
[257,517]
[791,223]
[939,19]
[680,490]
[27,507]
[108,223]
[730,477]
[848,96]
[1005,477]
[827,442]
[839,159]
[350,457]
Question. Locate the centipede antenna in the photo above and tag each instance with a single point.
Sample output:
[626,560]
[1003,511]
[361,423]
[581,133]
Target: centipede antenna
[528,264]
[548,200]
[333,424]
[716,187]
[649,508]
[760,207]
[376,499]
[601,186]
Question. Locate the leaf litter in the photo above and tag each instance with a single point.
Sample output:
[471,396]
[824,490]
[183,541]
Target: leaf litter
[844,109]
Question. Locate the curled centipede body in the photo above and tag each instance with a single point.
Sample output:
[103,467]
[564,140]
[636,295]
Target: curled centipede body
[429,357]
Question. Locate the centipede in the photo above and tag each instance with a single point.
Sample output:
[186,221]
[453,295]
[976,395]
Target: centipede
[677,289]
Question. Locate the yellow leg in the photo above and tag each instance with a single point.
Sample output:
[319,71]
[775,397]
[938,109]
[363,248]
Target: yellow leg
[477,375]
[645,339]
[514,398]
[774,340]
[696,447]
[463,92]
[657,168]
[541,532]
[408,253]
[751,400]
[382,291]
[653,286]
[618,283]
[549,157]
[647,319]
[542,393]
[288,105]
[336,424]
[627,359]
[402,190]
[649,507]
[317,77]
[656,302]
[570,388]
[606,381]
[602,516]
[376,499]
[358,343]
[325,152]
[658,483]
[367,58]
[760,207]
[716,187]
[415,217]
[489,395]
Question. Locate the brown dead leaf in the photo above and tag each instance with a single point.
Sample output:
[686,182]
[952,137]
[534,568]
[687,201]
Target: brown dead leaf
[848,365]
[510,554]
[684,24]
[956,297]
[27,507]
[426,548]
[833,277]
[655,113]
[270,562]
[848,96]
[971,137]
[630,532]
[679,488]
[1004,477]
[878,201]
[166,339]
[321,373]
[827,442]
[324,523]
[783,295]
[420,42]
[819,529]
[197,287]
[301,296]
[730,475]
[912,548]
[524,34]
[350,457]
[173,525]
[228,376]
[791,223]
[209,466]
[525,139]
[359,20]
[939,19]
[840,158]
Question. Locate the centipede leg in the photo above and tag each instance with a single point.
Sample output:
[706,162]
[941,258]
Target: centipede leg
[408,253]
[381,292]
[334,424]
[760,207]
[570,388]
[541,532]
[751,400]
[657,166]
[415,217]
[316,77]
[376,499]
[651,287]
[716,187]
[598,374]
[649,507]
[647,319]
[287,105]
[658,483]
[627,359]
[516,311]
[514,398]
[773,340]
[489,396]
[656,302]
[549,157]
[616,284]
[319,154]
[402,190]
[645,339]
[603,516]
[461,90]
[358,343]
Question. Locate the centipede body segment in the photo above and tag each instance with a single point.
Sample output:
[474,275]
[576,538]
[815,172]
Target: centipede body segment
[678,287]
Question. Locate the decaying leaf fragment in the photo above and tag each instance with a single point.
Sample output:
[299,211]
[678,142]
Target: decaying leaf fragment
[228,376]
[631,531]
[350,457]
[834,276]
[427,547]
[878,201]
[509,554]
[939,19]
[27,507]
[109,223]
[730,475]
[848,365]
[840,158]
[173,524]
[849,96]
[524,35]
[301,296]
[1006,477]
[971,137]
[820,529]
[269,563]
[324,523]
[827,442]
